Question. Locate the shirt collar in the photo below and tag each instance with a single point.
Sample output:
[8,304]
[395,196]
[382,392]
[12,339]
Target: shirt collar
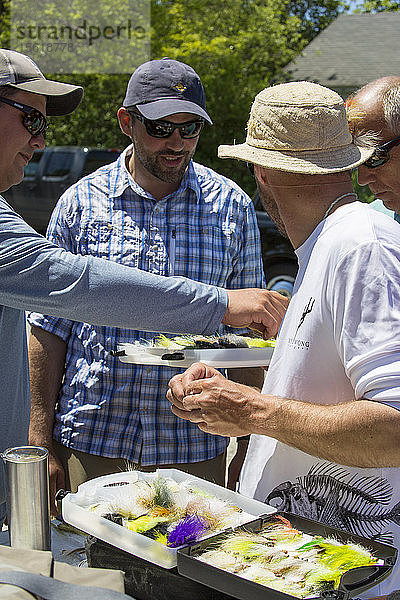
[123,179]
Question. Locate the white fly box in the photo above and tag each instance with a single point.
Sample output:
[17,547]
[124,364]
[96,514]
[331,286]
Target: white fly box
[76,510]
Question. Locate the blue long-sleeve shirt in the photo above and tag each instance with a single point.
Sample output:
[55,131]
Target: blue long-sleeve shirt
[37,275]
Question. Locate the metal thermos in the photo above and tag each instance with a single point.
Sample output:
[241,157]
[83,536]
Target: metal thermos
[27,484]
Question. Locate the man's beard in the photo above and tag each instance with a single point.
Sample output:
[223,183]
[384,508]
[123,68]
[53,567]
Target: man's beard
[151,163]
[271,208]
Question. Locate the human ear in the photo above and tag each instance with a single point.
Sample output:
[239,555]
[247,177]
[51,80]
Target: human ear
[261,174]
[125,121]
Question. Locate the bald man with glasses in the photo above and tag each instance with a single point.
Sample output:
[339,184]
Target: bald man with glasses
[374,112]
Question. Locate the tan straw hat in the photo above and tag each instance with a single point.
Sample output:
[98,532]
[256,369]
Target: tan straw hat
[299,127]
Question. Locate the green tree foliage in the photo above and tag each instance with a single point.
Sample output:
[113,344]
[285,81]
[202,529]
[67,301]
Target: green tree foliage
[94,123]
[4,23]
[375,6]
[314,16]
[237,47]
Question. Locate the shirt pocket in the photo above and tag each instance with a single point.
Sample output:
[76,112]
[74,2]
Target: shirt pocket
[204,253]
[122,244]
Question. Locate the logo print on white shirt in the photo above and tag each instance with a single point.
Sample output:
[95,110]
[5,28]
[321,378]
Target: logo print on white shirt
[307,309]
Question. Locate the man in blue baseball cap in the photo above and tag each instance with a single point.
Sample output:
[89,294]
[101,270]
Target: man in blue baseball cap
[156,209]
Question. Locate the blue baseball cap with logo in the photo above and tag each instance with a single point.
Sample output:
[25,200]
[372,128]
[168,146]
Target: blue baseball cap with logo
[159,88]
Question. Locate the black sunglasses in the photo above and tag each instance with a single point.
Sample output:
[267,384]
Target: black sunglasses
[381,154]
[163,129]
[34,121]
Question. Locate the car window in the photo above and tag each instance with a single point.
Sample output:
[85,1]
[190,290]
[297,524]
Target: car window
[98,158]
[59,164]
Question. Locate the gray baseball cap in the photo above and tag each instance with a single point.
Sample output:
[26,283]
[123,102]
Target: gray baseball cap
[19,71]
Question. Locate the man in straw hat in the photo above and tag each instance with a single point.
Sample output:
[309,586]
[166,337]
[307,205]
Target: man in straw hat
[37,275]
[327,424]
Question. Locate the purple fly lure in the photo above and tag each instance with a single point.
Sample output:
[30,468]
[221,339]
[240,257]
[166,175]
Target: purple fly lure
[187,530]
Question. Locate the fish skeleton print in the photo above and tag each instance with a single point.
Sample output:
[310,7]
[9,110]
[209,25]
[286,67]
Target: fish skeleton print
[332,495]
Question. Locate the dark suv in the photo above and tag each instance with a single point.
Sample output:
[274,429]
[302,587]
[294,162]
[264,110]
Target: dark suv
[49,173]
[279,259]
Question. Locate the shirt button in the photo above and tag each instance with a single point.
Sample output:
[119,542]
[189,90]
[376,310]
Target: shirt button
[154,248]
[109,226]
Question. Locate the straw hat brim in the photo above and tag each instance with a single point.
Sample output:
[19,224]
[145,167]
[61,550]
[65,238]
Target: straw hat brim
[311,162]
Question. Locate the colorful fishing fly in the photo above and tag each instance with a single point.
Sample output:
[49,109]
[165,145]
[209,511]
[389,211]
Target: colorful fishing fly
[170,513]
[202,342]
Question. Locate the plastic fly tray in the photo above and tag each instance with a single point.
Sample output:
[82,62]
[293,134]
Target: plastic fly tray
[352,582]
[221,358]
[76,512]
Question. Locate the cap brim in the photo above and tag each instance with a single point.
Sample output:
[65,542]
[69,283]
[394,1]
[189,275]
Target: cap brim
[170,106]
[62,98]
[311,162]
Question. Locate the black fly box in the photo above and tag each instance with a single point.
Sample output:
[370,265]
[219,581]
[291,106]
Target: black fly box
[352,582]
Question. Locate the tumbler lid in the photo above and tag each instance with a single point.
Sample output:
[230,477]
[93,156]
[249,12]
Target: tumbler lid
[25,454]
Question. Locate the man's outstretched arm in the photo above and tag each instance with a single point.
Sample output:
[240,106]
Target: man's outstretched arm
[37,275]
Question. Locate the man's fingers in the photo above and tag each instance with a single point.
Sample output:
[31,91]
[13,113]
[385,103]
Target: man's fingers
[194,416]
[180,384]
[174,400]
[252,306]
[192,401]
[274,308]
[176,387]
[196,371]
[260,328]
[57,482]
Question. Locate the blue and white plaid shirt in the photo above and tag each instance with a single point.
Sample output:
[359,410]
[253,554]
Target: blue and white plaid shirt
[207,231]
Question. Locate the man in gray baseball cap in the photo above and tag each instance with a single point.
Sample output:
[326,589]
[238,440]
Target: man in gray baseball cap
[327,424]
[38,275]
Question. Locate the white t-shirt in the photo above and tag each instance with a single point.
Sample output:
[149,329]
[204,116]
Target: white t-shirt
[340,340]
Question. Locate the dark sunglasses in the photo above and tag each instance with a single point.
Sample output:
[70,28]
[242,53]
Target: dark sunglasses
[381,154]
[163,129]
[34,121]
